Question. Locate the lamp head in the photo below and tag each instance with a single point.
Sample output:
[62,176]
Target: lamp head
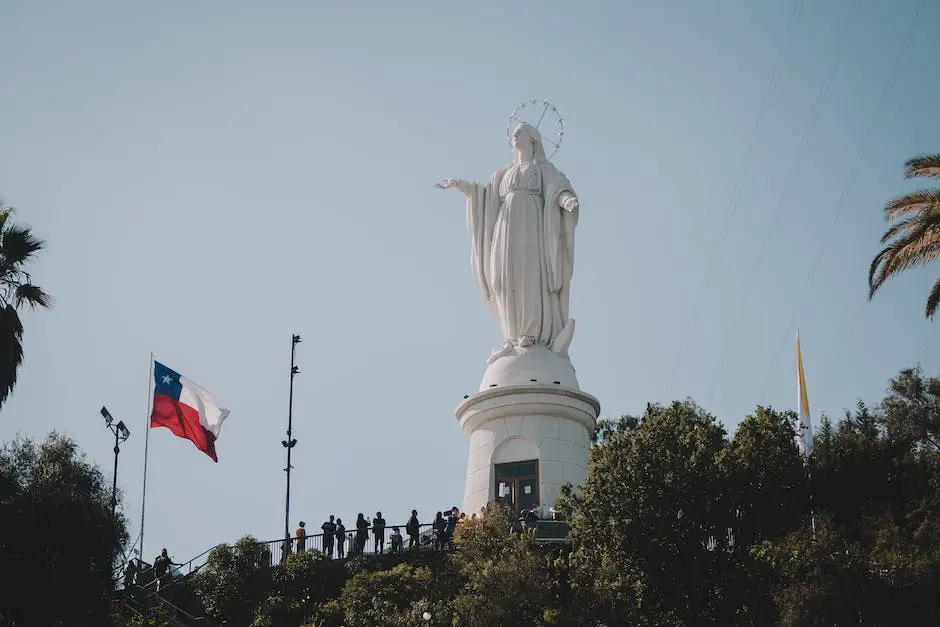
[106,415]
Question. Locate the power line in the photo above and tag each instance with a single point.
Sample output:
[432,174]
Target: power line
[843,343]
[847,334]
[840,204]
[716,249]
[778,210]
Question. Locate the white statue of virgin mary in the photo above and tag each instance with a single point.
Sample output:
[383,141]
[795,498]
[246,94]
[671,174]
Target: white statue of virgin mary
[522,246]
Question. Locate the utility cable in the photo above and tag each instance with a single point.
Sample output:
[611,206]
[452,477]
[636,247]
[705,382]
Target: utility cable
[840,204]
[781,202]
[729,213]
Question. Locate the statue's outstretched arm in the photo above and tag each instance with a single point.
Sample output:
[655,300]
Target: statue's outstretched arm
[460,184]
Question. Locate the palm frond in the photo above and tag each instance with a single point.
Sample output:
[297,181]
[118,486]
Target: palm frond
[905,226]
[31,295]
[18,245]
[918,247]
[933,299]
[873,271]
[6,212]
[915,201]
[11,350]
[923,165]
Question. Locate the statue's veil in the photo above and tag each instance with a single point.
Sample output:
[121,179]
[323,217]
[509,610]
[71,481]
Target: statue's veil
[539,149]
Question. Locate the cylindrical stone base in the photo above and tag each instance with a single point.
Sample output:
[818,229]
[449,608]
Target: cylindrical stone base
[547,424]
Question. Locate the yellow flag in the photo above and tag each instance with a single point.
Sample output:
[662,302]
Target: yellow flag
[804,435]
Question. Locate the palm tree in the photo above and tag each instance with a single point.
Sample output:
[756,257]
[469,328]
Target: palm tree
[914,240]
[18,246]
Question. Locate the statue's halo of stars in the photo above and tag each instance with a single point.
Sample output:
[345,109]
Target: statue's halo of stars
[537,112]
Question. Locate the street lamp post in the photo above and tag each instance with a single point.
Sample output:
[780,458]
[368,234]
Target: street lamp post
[290,442]
[121,433]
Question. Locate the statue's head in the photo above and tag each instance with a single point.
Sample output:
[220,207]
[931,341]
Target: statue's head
[527,141]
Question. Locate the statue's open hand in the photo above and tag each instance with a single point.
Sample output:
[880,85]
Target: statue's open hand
[571,204]
[445,184]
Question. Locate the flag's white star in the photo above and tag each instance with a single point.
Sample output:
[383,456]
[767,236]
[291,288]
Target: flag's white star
[167,379]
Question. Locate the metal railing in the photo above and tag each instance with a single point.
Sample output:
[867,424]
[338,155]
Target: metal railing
[278,550]
[372,545]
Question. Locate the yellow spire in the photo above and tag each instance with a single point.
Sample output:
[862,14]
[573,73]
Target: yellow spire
[805,432]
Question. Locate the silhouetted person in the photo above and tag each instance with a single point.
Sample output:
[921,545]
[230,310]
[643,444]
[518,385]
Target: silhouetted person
[438,526]
[396,540]
[301,535]
[530,518]
[340,539]
[130,573]
[451,525]
[285,549]
[329,532]
[161,568]
[378,533]
[362,533]
[413,529]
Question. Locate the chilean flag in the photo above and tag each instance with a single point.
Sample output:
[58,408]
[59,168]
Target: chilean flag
[186,409]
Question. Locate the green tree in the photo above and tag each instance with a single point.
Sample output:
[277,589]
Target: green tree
[397,597]
[914,240]
[766,477]
[820,578]
[59,540]
[18,247]
[300,587]
[650,513]
[156,615]
[767,490]
[887,574]
[874,556]
[506,579]
[912,410]
[860,472]
[235,581]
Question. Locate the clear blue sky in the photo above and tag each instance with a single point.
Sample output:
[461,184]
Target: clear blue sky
[213,176]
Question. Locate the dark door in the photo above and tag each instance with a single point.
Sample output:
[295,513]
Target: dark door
[517,484]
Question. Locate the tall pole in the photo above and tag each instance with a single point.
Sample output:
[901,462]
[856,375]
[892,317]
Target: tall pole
[143,495]
[121,433]
[290,442]
[117,449]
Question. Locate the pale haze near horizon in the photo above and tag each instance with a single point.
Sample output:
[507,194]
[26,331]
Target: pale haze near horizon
[213,177]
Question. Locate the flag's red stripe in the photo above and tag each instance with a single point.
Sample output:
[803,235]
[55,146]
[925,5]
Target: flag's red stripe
[183,421]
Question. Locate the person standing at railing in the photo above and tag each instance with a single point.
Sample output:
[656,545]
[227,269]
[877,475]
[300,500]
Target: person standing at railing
[161,568]
[452,517]
[413,529]
[396,540]
[378,533]
[301,535]
[438,526]
[329,532]
[130,573]
[340,539]
[362,533]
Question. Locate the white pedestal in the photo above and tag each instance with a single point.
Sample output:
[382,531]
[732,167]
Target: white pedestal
[538,420]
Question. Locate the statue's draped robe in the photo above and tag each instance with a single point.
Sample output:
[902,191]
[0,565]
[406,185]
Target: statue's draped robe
[522,249]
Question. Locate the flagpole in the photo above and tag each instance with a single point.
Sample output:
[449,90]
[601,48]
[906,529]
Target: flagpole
[801,392]
[143,497]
